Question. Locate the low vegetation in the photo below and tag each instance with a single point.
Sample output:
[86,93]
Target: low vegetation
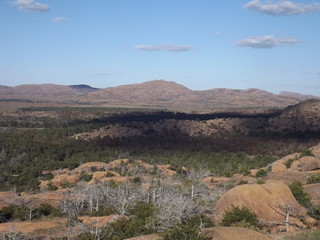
[240,217]
[310,235]
[304,199]
[144,201]
[314,179]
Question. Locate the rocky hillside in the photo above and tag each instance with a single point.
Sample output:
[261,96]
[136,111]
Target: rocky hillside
[44,92]
[152,94]
[102,198]
[148,92]
[303,117]
[298,96]
[161,93]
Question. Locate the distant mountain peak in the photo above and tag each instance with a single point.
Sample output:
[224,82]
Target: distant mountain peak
[83,86]
[298,96]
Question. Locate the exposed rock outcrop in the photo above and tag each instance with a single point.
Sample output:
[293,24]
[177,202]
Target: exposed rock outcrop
[268,201]
[235,233]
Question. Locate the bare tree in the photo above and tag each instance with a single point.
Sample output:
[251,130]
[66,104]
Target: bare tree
[286,211]
[123,197]
[73,202]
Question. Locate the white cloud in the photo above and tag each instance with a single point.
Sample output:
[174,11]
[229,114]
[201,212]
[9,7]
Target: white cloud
[172,48]
[268,41]
[60,19]
[31,5]
[283,8]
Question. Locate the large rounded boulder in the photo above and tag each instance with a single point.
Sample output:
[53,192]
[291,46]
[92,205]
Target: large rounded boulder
[234,233]
[270,201]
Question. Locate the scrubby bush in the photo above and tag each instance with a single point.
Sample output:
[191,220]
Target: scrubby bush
[109,174]
[143,210]
[261,173]
[46,209]
[184,232]
[85,177]
[190,229]
[310,235]
[85,236]
[244,171]
[127,228]
[240,215]
[51,187]
[200,221]
[136,180]
[302,197]
[242,182]
[288,163]
[103,211]
[306,152]
[16,212]
[261,181]
[13,212]
[314,179]
[47,176]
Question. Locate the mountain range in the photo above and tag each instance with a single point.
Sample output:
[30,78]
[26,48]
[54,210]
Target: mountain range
[153,94]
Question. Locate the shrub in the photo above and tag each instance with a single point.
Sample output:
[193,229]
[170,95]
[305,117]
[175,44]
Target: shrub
[190,230]
[51,187]
[310,235]
[261,181]
[261,173]
[306,152]
[302,197]
[288,163]
[136,180]
[46,209]
[244,171]
[6,213]
[314,179]
[240,215]
[48,176]
[13,212]
[103,211]
[143,210]
[200,221]
[68,185]
[127,228]
[109,174]
[242,182]
[85,236]
[85,177]
[184,232]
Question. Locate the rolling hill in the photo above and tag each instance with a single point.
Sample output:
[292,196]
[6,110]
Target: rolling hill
[153,94]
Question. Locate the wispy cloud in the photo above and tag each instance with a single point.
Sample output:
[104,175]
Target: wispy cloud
[99,74]
[268,41]
[283,8]
[31,5]
[60,19]
[217,33]
[171,48]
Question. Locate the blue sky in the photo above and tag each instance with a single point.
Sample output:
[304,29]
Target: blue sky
[271,45]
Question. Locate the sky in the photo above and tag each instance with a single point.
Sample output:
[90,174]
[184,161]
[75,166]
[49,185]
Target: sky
[203,44]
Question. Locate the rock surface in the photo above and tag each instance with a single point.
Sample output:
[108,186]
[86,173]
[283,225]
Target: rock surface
[235,233]
[314,192]
[266,200]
